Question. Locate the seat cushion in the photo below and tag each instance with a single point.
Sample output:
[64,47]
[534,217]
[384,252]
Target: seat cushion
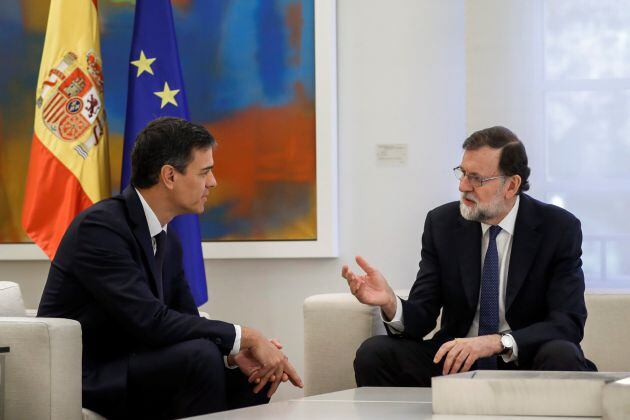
[11,303]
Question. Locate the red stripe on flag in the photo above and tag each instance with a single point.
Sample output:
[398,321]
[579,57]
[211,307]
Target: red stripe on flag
[51,104]
[53,197]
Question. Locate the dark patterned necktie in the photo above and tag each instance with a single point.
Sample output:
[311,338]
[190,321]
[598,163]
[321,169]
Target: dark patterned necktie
[489,301]
[160,247]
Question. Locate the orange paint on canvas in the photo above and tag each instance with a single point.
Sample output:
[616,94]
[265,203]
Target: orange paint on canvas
[262,145]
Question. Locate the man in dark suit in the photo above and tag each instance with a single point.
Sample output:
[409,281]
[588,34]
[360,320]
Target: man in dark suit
[504,269]
[118,271]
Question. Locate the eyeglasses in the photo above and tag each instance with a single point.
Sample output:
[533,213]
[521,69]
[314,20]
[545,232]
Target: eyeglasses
[475,180]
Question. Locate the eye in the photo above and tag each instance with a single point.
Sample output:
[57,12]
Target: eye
[475,179]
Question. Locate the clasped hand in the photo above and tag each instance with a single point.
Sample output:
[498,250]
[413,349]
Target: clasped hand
[460,354]
[264,363]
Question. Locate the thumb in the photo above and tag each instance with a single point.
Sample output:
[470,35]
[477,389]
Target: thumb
[364,265]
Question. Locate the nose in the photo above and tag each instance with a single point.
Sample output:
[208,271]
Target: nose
[464,185]
[211,181]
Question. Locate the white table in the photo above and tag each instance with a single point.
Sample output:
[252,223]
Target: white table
[359,403]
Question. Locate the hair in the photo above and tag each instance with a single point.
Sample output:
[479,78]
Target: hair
[513,159]
[166,141]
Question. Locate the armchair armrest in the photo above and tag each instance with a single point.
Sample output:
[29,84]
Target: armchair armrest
[43,368]
[335,325]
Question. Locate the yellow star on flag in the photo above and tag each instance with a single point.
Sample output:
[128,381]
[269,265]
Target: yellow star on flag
[143,63]
[167,95]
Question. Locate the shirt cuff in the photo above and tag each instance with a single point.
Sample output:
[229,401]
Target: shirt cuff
[235,348]
[237,340]
[396,323]
[511,357]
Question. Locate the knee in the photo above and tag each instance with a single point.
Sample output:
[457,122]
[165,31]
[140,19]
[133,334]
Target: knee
[558,355]
[202,355]
[372,353]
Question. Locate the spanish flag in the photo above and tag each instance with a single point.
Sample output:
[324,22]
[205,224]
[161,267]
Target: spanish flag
[69,163]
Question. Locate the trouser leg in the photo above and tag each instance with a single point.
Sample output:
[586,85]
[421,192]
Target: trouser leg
[181,380]
[386,361]
[240,393]
[561,355]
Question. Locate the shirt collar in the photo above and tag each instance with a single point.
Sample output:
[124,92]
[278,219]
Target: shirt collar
[508,222]
[152,220]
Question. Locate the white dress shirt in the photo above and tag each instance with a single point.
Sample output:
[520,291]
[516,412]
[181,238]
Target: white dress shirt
[504,249]
[155,228]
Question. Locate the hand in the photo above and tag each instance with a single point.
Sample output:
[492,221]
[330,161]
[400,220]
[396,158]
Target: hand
[249,366]
[274,365]
[371,288]
[461,353]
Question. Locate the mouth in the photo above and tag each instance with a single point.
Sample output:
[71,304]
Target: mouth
[468,202]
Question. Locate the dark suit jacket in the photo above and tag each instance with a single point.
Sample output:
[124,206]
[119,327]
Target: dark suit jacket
[545,284]
[103,276]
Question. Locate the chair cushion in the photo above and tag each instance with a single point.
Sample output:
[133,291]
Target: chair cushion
[11,303]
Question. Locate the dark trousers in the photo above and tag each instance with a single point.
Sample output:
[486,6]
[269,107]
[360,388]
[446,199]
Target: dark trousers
[186,379]
[387,361]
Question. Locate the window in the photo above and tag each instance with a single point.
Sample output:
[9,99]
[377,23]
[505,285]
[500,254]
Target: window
[587,128]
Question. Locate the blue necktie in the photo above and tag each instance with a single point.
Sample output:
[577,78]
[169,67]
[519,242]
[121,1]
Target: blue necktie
[489,301]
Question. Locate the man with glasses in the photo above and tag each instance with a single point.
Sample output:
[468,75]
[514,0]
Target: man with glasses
[504,269]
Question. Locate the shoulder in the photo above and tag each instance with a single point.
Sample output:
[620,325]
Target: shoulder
[548,214]
[109,213]
[445,214]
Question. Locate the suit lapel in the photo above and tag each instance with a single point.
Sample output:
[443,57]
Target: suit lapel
[468,240]
[524,246]
[141,232]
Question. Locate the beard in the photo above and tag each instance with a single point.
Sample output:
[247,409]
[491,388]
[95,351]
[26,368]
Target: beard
[482,212]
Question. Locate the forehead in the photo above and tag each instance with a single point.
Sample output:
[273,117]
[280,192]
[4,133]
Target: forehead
[484,161]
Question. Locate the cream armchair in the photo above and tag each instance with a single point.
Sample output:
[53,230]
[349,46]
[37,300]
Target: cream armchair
[43,367]
[336,324]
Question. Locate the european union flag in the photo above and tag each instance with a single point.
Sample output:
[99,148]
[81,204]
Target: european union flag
[156,89]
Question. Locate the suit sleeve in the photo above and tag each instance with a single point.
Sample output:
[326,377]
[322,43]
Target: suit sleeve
[421,310]
[123,290]
[181,299]
[564,298]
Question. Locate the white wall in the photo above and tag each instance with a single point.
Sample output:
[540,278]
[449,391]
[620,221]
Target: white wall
[401,79]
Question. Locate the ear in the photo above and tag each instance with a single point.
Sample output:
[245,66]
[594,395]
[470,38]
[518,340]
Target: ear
[513,185]
[167,176]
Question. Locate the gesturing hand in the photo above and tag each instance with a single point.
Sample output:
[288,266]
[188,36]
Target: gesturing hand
[461,353]
[370,288]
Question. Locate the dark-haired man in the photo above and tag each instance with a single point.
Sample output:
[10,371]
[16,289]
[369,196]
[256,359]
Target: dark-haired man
[118,271]
[503,268]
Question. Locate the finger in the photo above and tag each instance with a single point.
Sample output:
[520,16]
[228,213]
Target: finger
[459,361]
[365,266]
[450,360]
[293,376]
[260,373]
[469,362]
[444,348]
[344,270]
[263,381]
[276,343]
[285,377]
[275,384]
[357,289]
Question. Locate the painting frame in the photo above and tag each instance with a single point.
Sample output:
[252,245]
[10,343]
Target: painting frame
[326,243]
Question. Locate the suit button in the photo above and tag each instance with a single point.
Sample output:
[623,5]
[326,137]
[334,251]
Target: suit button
[218,341]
